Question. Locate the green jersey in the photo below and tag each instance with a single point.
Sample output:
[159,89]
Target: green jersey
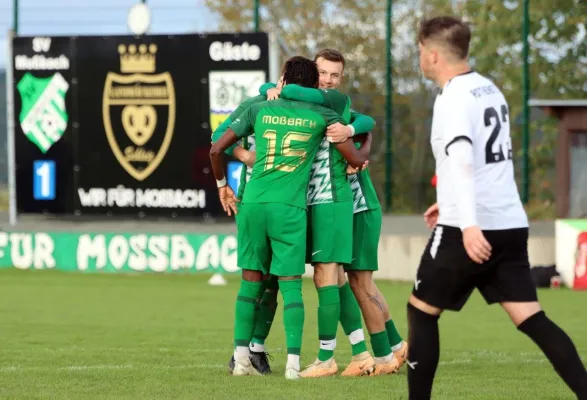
[287,137]
[328,182]
[248,143]
[364,194]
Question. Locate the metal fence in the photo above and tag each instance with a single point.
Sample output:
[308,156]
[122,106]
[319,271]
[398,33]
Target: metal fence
[401,171]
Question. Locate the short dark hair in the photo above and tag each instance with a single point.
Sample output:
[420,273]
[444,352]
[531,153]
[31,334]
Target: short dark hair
[330,55]
[302,71]
[448,31]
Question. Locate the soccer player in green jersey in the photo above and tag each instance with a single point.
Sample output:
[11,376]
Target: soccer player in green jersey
[272,221]
[366,232]
[244,151]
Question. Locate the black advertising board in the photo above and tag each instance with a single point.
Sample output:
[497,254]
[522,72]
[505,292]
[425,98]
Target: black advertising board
[43,119]
[144,110]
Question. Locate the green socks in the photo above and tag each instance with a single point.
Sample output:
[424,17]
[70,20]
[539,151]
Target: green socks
[393,336]
[380,344]
[350,319]
[265,316]
[246,303]
[293,314]
[328,316]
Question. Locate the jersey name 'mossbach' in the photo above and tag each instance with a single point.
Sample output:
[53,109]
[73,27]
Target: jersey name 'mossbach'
[471,108]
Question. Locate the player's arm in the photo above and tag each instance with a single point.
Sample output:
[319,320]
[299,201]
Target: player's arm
[217,134]
[236,150]
[360,124]
[308,95]
[241,127]
[355,157]
[330,98]
[458,128]
[265,87]
[359,142]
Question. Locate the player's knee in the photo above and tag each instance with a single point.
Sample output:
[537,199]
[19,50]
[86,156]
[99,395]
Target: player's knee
[271,283]
[325,274]
[341,277]
[289,278]
[423,306]
[521,311]
[252,276]
[360,281]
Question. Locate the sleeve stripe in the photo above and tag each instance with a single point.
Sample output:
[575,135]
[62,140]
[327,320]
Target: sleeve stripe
[456,139]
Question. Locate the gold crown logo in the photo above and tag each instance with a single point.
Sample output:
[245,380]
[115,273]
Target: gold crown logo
[137,59]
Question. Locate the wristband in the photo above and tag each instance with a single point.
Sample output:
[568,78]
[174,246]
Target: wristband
[352,130]
[221,183]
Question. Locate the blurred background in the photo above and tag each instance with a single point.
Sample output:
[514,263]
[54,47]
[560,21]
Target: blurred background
[402,164]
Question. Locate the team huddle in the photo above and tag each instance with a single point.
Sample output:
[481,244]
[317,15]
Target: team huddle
[299,168]
[306,196]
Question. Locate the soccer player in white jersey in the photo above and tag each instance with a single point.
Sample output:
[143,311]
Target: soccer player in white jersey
[480,227]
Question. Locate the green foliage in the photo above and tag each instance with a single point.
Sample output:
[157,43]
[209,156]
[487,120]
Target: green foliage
[357,28]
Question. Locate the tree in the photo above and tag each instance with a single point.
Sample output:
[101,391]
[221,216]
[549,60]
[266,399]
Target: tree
[357,27]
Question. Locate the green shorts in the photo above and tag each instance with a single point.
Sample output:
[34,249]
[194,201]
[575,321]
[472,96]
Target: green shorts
[330,233]
[238,213]
[366,233]
[272,238]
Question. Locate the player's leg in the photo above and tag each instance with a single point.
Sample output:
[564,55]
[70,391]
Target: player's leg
[288,243]
[510,284]
[398,345]
[253,258]
[364,289]
[445,280]
[366,230]
[330,226]
[265,316]
[325,280]
[368,225]
[351,322]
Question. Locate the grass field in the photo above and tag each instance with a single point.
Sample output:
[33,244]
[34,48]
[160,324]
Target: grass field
[78,336]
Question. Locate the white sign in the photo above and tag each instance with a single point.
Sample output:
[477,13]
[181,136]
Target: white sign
[150,198]
[230,88]
[227,51]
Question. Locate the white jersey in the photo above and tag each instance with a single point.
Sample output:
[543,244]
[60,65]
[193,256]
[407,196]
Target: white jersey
[471,108]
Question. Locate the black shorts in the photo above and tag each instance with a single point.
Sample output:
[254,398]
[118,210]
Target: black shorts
[447,276]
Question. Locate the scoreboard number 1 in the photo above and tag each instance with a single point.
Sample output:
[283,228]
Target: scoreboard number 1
[44,180]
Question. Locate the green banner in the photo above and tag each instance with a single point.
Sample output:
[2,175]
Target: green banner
[125,252]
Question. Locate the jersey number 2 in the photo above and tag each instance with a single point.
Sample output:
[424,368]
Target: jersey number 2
[286,150]
[489,115]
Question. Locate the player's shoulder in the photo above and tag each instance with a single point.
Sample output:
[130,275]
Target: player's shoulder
[333,93]
[254,100]
[247,104]
[467,87]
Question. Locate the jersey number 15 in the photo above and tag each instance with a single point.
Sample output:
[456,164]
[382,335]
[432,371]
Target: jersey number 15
[286,150]
[488,117]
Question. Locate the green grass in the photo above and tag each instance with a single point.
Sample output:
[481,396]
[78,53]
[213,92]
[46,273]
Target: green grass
[83,336]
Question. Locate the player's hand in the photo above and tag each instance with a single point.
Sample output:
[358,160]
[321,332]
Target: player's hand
[227,199]
[478,248]
[431,215]
[273,93]
[338,133]
[250,158]
[352,171]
